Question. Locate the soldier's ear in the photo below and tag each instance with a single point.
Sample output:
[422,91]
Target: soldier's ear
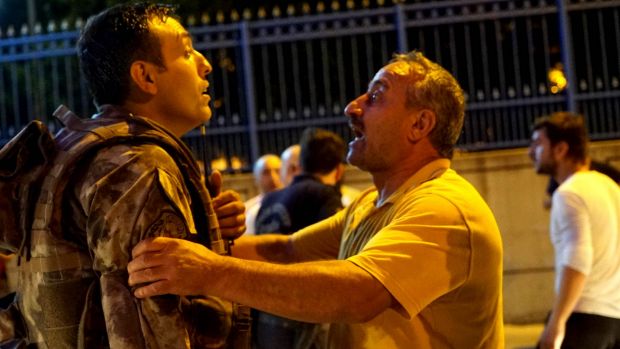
[144,76]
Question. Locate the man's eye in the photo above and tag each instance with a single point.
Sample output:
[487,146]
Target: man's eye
[374,96]
[188,53]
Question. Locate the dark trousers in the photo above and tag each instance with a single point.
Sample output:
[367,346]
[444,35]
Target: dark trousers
[274,332]
[590,331]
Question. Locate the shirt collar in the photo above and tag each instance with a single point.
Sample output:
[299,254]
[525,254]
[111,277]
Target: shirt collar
[428,172]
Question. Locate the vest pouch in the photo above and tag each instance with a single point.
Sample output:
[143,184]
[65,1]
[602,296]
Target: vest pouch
[23,162]
[216,323]
[62,304]
[208,321]
[12,325]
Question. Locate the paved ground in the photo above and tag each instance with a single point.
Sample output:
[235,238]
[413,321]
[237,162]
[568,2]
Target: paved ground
[522,336]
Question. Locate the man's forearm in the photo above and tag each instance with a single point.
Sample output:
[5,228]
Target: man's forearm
[326,291]
[270,248]
[571,287]
[334,291]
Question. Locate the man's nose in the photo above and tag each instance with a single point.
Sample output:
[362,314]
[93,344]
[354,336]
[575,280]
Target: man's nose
[204,67]
[354,109]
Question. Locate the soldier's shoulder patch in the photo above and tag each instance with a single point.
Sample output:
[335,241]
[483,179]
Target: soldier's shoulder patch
[169,224]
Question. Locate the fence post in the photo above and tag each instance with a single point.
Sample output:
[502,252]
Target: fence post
[400,22]
[248,82]
[567,54]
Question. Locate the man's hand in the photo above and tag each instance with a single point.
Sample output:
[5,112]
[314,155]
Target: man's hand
[170,266]
[571,287]
[229,208]
[552,337]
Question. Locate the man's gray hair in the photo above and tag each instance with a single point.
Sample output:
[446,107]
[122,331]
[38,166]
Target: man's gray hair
[436,89]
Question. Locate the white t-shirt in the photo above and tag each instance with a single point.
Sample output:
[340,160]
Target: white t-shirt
[251,210]
[585,232]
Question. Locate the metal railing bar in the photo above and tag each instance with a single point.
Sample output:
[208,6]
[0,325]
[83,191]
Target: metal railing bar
[475,17]
[518,102]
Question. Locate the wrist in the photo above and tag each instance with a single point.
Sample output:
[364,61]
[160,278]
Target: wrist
[215,268]
[556,319]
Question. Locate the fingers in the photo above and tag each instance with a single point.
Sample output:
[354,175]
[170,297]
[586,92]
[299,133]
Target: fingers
[215,182]
[227,197]
[147,274]
[155,273]
[230,212]
[149,245]
[154,289]
[178,269]
[232,221]
[235,209]
[232,233]
[153,277]
[147,260]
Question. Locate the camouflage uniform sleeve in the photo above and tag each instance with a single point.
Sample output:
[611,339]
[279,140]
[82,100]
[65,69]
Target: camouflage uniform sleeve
[128,194]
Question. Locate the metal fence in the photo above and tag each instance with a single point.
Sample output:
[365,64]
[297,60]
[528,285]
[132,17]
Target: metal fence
[274,77]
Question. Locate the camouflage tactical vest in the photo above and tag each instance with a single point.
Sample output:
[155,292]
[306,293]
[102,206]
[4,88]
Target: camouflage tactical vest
[59,294]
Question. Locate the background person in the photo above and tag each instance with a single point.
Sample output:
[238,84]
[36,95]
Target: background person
[266,173]
[594,165]
[585,233]
[290,164]
[311,197]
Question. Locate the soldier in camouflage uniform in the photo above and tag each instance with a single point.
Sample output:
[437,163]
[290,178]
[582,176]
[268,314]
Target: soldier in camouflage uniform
[141,69]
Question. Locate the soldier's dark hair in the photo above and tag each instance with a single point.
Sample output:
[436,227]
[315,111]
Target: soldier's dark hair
[565,127]
[321,151]
[111,41]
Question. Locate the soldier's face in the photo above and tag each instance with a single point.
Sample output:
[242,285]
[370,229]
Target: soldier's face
[181,86]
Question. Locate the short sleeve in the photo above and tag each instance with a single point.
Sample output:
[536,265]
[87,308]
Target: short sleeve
[421,255]
[128,194]
[319,241]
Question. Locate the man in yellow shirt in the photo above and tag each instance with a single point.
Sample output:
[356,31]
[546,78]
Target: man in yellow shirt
[415,262]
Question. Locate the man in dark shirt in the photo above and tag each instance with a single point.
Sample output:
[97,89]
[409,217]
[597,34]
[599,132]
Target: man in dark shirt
[311,197]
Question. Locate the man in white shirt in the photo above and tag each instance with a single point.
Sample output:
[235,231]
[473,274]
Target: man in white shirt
[585,232]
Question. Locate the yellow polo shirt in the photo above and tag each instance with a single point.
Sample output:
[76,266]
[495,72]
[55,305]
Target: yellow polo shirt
[435,246]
